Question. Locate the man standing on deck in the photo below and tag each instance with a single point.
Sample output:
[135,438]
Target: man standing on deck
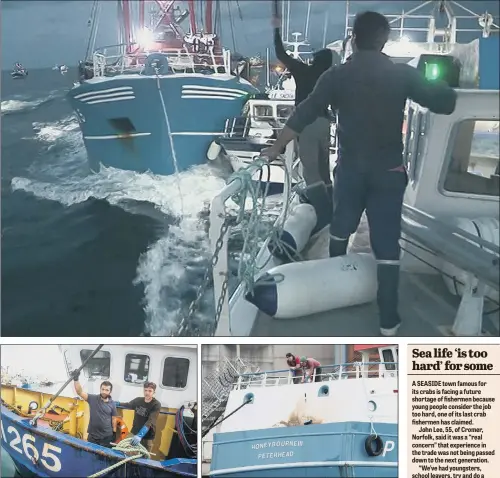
[146,411]
[293,362]
[103,414]
[310,367]
[314,139]
[369,93]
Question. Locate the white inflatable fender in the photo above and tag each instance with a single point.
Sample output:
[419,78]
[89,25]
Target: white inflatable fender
[213,151]
[296,231]
[486,228]
[300,289]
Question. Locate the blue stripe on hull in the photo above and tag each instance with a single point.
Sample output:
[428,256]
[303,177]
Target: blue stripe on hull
[203,108]
[61,455]
[330,450]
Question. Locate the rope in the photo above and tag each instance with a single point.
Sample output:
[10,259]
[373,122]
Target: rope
[171,140]
[179,425]
[125,447]
[252,224]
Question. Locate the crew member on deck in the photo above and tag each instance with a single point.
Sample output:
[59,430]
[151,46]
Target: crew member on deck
[314,139]
[310,367]
[146,411]
[293,361]
[103,414]
[369,93]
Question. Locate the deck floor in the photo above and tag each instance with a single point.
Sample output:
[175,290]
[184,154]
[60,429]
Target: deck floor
[426,307]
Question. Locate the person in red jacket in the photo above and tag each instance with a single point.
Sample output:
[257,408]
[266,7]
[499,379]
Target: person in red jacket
[293,361]
[310,367]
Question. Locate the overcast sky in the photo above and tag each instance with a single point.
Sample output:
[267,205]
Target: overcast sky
[40,361]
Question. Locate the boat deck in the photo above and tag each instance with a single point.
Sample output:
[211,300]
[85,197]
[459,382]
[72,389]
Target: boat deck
[426,307]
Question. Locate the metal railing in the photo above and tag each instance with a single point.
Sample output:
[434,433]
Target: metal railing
[329,373]
[112,60]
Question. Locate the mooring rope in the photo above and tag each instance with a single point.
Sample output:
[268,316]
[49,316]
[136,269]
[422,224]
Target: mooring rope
[252,224]
[125,446]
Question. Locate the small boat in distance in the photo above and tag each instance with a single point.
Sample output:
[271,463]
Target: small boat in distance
[19,72]
[63,69]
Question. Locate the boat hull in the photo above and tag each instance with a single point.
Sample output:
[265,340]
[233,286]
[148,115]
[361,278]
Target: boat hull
[329,450]
[41,451]
[124,124]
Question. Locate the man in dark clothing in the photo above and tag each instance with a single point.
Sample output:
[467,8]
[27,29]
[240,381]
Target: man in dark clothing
[314,139]
[103,414]
[146,411]
[369,93]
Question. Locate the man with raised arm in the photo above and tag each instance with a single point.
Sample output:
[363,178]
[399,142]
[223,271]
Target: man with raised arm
[314,139]
[369,93]
[146,411]
[103,414]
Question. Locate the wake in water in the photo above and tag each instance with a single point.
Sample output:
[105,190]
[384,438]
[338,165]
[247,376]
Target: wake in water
[174,265]
[21,104]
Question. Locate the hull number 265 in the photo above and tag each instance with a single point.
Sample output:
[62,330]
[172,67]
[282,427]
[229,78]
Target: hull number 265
[25,445]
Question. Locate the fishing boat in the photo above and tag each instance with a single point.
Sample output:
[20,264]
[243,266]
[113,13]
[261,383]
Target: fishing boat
[344,423]
[19,72]
[45,434]
[449,264]
[155,101]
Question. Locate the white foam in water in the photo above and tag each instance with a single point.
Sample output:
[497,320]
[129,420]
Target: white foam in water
[20,104]
[168,263]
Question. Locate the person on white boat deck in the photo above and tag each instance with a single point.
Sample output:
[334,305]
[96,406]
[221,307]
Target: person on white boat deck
[293,361]
[146,411]
[310,367]
[103,414]
[314,139]
[369,93]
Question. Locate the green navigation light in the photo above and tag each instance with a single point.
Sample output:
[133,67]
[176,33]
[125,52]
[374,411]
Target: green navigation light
[432,71]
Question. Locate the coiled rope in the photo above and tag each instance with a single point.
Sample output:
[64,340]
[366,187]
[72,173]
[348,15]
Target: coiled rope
[125,446]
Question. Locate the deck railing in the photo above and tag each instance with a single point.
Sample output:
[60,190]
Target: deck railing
[113,60]
[329,373]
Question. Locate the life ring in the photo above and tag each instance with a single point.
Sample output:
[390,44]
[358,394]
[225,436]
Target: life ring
[156,64]
[379,445]
[121,428]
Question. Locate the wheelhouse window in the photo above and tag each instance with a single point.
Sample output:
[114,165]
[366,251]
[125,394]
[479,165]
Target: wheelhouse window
[284,111]
[263,112]
[388,358]
[136,368]
[98,366]
[175,372]
[473,166]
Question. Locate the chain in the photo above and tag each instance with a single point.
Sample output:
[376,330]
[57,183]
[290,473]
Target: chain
[186,322]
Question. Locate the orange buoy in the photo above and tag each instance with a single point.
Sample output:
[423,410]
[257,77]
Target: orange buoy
[121,428]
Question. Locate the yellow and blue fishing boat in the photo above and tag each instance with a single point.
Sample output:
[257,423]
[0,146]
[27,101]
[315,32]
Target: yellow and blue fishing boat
[45,434]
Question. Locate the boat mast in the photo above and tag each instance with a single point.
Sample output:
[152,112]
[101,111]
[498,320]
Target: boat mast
[141,14]
[192,18]
[208,16]
[306,29]
[126,24]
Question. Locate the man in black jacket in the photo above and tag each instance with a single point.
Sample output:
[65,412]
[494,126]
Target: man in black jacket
[314,140]
[369,93]
[146,411]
